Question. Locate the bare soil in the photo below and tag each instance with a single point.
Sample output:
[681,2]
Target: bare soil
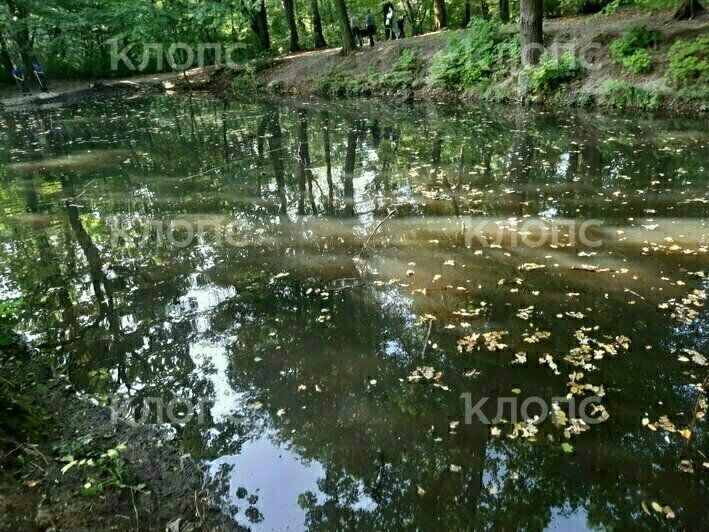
[300,73]
[45,413]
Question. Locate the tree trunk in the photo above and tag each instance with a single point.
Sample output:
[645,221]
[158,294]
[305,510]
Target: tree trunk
[5,60]
[275,147]
[504,11]
[348,44]
[259,24]
[466,14]
[328,162]
[439,11]
[531,36]
[292,28]
[318,37]
[484,9]
[348,173]
[688,9]
[22,37]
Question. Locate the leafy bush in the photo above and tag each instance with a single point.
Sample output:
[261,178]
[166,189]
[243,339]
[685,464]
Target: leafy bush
[476,57]
[630,50]
[404,75]
[689,61]
[341,83]
[638,62]
[553,72]
[245,82]
[624,95]
[9,311]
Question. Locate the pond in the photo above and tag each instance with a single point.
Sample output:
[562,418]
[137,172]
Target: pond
[375,315]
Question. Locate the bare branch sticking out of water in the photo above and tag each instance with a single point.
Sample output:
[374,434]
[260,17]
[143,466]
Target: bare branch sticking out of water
[389,215]
[428,335]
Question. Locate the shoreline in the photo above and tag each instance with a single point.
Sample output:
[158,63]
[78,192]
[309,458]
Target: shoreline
[325,73]
[159,487]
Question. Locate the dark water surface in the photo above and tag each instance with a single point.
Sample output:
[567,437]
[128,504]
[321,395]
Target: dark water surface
[212,254]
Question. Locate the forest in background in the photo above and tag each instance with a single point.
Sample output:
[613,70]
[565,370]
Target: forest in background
[73,38]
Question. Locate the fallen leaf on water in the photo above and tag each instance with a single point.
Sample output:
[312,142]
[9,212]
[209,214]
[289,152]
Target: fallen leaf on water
[529,266]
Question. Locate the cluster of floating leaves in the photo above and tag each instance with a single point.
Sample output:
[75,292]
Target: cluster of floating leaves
[490,340]
[686,309]
[428,374]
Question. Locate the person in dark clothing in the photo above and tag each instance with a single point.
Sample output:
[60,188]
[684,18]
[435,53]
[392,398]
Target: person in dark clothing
[41,77]
[19,77]
[371,28]
[400,24]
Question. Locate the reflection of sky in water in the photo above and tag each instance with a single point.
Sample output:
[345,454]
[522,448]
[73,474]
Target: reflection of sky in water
[208,297]
[278,477]
[567,519]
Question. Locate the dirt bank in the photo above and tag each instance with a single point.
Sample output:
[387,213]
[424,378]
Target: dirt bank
[132,477]
[304,73]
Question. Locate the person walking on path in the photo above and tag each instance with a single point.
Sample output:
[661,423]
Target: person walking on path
[41,78]
[400,25]
[371,28]
[391,23]
[356,29]
[19,77]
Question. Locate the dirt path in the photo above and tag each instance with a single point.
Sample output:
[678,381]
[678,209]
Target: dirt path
[300,73]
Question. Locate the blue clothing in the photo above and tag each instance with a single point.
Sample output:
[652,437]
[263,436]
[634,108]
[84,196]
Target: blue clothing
[18,73]
[39,69]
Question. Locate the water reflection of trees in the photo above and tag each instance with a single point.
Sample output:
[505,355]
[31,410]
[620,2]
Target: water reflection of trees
[125,321]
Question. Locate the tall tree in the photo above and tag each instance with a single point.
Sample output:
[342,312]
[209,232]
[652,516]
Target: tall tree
[348,170]
[504,11]
[255,12]
[21,35]
[466,14]
[348,43]
[5,60]
[318,37]
[688,9]
[531,14]
[289,9]
[439,11]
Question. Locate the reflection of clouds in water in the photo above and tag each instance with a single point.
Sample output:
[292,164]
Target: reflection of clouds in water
[278,477]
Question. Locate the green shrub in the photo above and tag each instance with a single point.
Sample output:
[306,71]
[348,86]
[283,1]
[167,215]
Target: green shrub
[689,61]
[638,62]
[244,82]
[551,73]
[482,53]
[404,74]
[630,50]
[624,95]
[341,83]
